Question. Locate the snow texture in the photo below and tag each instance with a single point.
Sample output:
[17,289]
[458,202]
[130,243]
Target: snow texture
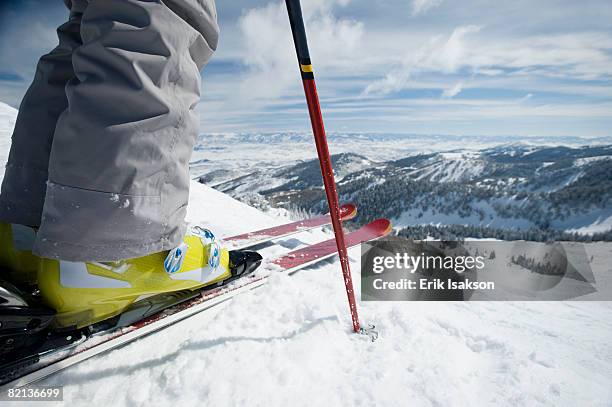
[289,343]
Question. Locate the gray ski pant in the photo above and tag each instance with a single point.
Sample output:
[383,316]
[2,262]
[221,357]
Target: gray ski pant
[102,142]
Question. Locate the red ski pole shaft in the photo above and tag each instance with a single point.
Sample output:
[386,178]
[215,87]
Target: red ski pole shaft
[316,119]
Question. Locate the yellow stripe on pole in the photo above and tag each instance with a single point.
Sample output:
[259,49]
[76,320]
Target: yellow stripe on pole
[306,68]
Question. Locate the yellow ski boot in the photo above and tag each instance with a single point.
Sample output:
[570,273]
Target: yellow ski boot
[87,293]
[19,265]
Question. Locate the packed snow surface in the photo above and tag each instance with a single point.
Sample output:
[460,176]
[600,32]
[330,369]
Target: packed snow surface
[289,343]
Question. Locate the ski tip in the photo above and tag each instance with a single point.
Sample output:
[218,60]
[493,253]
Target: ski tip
[383,225]
[348,211]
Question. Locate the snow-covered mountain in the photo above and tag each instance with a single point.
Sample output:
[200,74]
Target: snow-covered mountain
[231,155]
[277,186]
[289,343]
[505,187]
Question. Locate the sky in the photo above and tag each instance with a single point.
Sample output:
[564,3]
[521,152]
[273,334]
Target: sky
[474,67]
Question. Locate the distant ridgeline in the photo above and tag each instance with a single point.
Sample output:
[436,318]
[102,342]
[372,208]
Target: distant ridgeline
[507,192]
[458,232]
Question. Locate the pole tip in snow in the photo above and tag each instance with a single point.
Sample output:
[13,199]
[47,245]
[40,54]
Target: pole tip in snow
[370,331]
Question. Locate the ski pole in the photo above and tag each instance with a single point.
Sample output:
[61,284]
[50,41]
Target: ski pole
[316,119]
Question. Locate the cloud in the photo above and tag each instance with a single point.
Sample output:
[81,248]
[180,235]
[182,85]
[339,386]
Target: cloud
[504,52]
[437,54]
[376,72]
[27,31]
[453,53]
[452,91]
[422,6]
[10,76]
[269,52]
[582,56]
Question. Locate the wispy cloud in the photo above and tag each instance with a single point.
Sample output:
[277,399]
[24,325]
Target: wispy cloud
[438,54]
[422,6]
[269,52]
[452,91]
[580,56]
[10,76]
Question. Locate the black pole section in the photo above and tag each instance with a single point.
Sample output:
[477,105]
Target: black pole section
[299,36]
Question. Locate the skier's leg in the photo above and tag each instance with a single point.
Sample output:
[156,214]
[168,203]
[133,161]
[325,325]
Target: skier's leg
[24,185]
[118,172]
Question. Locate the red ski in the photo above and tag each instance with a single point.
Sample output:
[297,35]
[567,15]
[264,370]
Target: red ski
[301,258]
[239,242]
[42,365]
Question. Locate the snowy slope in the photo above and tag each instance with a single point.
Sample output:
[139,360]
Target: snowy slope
[289,344]
[451,167]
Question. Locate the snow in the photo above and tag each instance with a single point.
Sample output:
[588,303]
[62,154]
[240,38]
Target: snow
[589,160]
[453,166]
[289,343]
[597,221]
[594,220]
[212,150]
[428,217]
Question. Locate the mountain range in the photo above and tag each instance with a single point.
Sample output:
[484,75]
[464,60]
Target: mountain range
[506,187]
